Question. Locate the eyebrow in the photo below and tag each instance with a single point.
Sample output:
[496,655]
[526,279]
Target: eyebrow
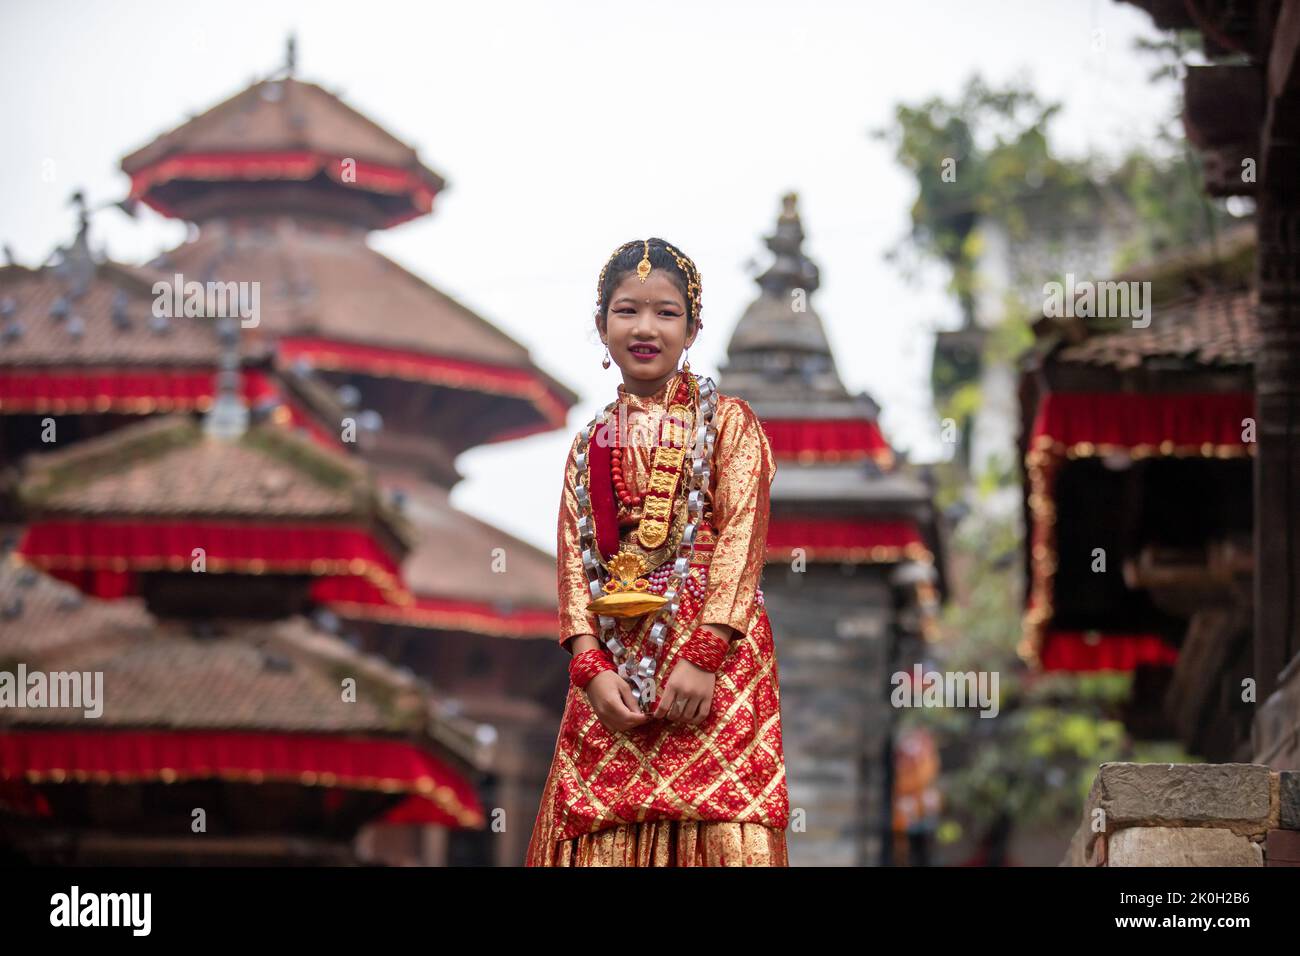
[628,298]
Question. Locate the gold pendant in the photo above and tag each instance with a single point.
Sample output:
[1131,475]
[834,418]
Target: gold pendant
[627,591]
[665,474]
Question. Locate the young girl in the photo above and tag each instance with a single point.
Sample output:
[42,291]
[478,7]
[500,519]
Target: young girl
[669,751]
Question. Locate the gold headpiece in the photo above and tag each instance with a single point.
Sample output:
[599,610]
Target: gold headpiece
[694,287]
[693,284]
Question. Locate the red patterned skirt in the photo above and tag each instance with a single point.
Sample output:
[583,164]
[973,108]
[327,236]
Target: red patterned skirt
[667,794]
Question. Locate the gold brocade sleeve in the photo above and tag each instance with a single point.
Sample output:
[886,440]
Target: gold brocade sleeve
[573,593]
[743,471]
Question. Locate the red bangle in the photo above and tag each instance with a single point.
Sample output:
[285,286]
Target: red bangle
[705,649]
[588,664]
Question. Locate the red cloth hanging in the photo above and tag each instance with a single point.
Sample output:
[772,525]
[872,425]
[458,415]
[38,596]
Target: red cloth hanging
[1162,421]
[847,538]
[384,362]
[352,763]
[354,598]
[819,439]
[73,391]
[104,558]
[1077,651]
[298,166]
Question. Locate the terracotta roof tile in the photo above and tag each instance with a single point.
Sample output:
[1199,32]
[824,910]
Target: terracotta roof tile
[1211,329]
[329,282]
[278,675]
[29,297]
[43,617]
[454,552]
[168,466]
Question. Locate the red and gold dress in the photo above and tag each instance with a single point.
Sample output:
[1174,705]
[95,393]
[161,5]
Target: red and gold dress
[668,794]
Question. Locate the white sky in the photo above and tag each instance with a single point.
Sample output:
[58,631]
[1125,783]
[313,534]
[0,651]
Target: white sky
[565,129]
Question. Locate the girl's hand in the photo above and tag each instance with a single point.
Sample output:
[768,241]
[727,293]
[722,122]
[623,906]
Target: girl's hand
[687,695]
[611,699]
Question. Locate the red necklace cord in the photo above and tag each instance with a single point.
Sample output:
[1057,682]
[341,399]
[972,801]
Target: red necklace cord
[616,466]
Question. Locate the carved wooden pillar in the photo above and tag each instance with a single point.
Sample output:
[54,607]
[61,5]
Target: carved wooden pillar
[1277,410]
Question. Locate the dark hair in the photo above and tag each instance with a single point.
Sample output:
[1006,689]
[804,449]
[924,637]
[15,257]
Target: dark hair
[625,260]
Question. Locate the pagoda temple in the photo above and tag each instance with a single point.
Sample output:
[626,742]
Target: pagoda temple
[197,555]
[854,569]
[1151,427]
[307,456]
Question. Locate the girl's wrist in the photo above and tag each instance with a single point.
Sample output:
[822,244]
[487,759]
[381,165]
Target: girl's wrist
[706,649]
[587,664]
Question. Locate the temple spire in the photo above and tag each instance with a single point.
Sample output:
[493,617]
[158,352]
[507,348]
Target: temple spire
[228,416]
[792,269]
[779,348]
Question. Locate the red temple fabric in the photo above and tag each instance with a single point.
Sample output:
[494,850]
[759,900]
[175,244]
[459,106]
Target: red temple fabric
[1133,419]
[295,165]
[381,361]
[841,534]
[24,389]
[284,545]
[136,391]
[477,617]
[834,439]
[1074,651]
[100,556]
[350,763]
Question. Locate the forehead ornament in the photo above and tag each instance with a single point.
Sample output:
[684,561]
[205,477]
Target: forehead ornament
[643,267]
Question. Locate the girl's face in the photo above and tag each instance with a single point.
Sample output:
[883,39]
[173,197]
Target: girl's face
[645,329]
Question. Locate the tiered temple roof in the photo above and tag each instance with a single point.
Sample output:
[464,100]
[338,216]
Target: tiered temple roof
[288,142]
[245,693]
[207,555]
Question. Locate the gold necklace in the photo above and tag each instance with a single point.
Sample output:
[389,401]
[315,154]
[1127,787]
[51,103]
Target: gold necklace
[662,521]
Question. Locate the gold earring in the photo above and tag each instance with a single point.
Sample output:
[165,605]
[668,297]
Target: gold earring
[686,359]
[605,363]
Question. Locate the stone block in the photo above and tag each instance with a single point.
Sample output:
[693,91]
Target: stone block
[1232,795]
[1182,846]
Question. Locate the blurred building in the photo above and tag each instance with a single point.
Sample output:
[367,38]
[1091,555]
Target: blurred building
[854,570]
[1196,416]
[1138,449]
[306,455]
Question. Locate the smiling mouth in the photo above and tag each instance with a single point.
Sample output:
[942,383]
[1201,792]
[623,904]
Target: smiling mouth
[643,350]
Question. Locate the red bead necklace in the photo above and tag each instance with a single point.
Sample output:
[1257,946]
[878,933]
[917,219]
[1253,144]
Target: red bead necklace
[630,500]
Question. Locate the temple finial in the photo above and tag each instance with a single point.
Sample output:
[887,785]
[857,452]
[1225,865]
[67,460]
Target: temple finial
[290,55]
[76,264]
[228,416]
[78,199]
[792,268]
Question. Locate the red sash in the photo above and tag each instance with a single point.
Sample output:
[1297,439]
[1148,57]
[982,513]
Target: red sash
[601,486]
